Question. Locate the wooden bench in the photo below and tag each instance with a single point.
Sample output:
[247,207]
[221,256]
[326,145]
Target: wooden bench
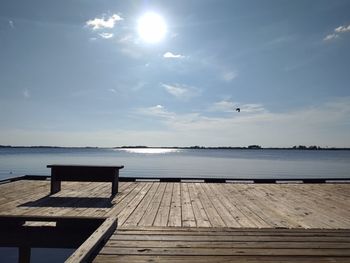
[84,173]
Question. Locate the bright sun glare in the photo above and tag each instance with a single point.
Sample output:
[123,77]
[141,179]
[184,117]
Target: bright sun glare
[151,27]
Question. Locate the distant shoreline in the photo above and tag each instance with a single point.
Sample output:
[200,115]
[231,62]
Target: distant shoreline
[250,147]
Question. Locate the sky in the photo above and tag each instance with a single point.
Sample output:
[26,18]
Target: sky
[82,73]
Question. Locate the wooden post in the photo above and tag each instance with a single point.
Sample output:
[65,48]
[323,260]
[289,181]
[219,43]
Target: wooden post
[115,183]
[24,254]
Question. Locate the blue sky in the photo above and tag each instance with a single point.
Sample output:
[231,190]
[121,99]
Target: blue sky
[77,73]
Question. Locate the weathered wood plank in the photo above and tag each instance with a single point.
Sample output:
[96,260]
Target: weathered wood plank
[227,244]
[198,209]
[164,208]
[152,209]
[175,214]
[188,218]
[219,259]
[226,252]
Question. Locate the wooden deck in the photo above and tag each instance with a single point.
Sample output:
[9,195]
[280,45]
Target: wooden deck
[187,204]
[191,221]
[226,245]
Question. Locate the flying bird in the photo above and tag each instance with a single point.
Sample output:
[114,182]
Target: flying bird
[238,109]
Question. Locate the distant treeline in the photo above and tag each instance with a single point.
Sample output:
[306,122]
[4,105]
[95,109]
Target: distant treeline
[250,147]
[49,147]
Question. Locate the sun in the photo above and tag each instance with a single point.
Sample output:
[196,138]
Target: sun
[151,27]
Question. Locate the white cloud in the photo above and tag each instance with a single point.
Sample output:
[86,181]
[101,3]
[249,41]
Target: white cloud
[181,91]
[109,22]
[229,76]
[325,125]
[156,111]
[223,106]
[331,37]
[252,108]
[342,29]
[11,24]
[106,35]
[172,55]
[337,32]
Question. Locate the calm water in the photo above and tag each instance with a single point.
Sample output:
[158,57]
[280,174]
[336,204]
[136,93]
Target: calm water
[183,163]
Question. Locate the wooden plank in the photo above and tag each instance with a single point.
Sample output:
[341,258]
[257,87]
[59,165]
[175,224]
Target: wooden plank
[239,217]
[124,207]
[309,209]
[188,219]
[241,202]
[218,259]
[238,232]
[227,252]
[271,215]
[140,210]
[213,215]
[231,238]
[241,229]
[151,211]
[164,208]
[129,207]
[225,244]
[208,244]
[198,209]
[175,214]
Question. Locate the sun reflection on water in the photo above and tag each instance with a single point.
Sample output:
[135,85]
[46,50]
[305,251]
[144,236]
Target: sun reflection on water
[149,150]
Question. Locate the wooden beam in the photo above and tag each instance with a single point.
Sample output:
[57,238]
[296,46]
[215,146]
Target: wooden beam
[95,241]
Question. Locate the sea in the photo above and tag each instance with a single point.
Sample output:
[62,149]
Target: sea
[180,163]
[184,163]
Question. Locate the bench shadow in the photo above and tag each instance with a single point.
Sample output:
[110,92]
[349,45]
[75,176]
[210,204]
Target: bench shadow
[84,202]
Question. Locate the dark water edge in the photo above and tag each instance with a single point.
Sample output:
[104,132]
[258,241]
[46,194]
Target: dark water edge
[38,255]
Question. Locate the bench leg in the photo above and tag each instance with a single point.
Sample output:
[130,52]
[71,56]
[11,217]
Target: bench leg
[115,183]
[55,186]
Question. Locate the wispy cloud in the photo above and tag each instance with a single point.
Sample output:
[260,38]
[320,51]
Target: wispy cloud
[26,93]
[156,111]
[230,106]
[342,29]
[11,24]
[104,22]
[106,35]
[126,38]
[228,76]
[181,91]
[172,55]
[112,90]
[326,124]
[330,37]
[337,32]
[223,106]
[313,125]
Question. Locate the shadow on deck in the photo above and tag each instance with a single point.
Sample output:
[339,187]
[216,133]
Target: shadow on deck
[83,202]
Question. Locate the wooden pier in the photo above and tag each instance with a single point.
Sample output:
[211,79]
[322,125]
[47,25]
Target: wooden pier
[195,221]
